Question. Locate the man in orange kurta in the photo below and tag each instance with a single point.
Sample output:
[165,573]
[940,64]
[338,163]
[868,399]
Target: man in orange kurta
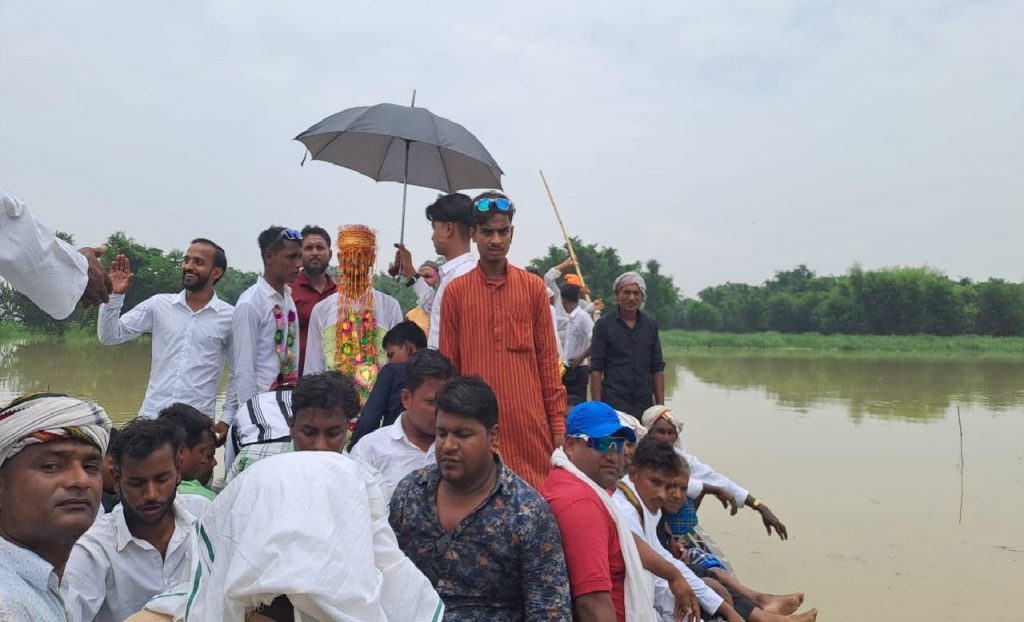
[496,324]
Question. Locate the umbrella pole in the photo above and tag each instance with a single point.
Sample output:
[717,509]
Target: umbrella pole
[568,242]
[405,190]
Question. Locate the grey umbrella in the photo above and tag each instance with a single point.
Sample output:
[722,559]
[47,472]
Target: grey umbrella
[388,142]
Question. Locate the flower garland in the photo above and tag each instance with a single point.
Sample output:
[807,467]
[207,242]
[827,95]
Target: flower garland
[285,336]
[356,352]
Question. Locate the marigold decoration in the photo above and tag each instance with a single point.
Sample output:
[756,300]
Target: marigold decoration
[355,353]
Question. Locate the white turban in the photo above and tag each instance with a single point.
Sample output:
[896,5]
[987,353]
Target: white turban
[47,417]
[631,278]
[658,411]
[631,422]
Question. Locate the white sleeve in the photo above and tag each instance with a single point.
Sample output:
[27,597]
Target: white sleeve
[245,324]
[424,294]
[51,272]
[85,574]
[704,473]
[395,313]
[230,407]
[113,328]
[316,362]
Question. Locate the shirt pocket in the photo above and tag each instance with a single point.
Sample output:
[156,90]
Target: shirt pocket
[519,332]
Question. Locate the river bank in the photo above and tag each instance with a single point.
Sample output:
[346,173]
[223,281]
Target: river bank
[910,345]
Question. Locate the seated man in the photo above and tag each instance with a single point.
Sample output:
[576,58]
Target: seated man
[486,540]
[639,496]
[51,447]
[385,401]
[608,566]
[408,445]
[662,425]
[260,429]
[704,564]
[196,459]
[323,551]
[144,545]
[322,405]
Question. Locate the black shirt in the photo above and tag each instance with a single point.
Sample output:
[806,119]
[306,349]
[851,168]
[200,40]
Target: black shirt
[628,358]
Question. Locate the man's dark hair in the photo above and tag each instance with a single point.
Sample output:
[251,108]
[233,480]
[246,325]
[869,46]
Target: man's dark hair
[455,208]
[317,230]
[403,332]
[141,438]
[482,217]
[469,397]
[192,422]
[427,364]
[327,390]
[570,293]
[113,438]
[658,455]
[269,240]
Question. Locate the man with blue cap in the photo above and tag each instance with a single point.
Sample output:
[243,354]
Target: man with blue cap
[608,566]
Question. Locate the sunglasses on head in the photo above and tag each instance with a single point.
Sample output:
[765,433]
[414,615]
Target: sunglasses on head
[290,234]
[485,205]
[603,444]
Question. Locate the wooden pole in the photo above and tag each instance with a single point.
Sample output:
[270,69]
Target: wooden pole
[565,235]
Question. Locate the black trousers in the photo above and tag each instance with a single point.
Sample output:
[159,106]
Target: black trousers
[576,380]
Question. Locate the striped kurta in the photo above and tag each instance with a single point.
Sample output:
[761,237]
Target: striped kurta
[502,332]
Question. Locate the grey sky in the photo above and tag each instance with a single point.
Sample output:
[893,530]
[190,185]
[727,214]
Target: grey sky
[725,139]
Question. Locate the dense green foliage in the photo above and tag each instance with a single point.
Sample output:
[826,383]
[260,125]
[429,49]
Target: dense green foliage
[872,345]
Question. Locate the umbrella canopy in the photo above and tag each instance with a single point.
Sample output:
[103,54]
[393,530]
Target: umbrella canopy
[388,142]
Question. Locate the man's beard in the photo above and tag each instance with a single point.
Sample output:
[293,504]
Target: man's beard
[134,518]
[314,270]
[196,285]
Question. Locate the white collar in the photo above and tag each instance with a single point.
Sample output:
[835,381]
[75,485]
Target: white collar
[454,263]
[396,432]
[182,521]
[269,291]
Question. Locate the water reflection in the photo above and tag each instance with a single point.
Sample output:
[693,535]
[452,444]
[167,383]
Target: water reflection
[910,389]
[115,377]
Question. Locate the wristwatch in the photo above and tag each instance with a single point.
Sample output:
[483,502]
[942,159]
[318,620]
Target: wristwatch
[409,282]
[756,504]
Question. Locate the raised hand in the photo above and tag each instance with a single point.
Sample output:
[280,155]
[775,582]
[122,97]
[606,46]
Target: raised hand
[120,274]
[98,287]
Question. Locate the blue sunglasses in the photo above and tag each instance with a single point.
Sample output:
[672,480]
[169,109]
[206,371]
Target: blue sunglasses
[604,443]
[500,204]
[290,234]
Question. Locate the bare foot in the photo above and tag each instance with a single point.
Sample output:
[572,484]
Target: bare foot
[782,604]
[759,615]
[807,616]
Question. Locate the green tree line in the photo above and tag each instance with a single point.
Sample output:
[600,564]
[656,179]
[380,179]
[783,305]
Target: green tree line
[891,301]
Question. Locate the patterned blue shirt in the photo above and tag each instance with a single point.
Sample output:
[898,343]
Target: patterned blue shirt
[29,589]
[502,562]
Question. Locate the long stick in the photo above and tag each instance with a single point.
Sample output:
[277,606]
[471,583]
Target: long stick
[565,235]
[960,520]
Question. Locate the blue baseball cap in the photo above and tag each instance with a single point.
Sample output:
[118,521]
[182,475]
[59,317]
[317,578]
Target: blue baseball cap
[596,420]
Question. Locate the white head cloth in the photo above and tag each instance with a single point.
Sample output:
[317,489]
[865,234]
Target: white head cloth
[659,411]
[631,278]
[632,423]
[311,525]
[47,417]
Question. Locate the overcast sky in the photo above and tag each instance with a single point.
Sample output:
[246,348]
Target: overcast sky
[726,139]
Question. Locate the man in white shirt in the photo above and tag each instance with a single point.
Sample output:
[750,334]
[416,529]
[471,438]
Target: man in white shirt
[191,331]
[407,445]
[346,329]
[51,449]
[452,224]
[144,545]
[577,344]
[593,309]
[45,268]
[265,326]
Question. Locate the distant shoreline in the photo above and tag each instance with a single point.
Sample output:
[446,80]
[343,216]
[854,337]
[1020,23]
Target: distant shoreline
[903,345]
[704,341]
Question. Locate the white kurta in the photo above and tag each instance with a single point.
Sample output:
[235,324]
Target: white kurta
[51,272]
[322,320]
[254,358]
[112,574]
[189,349]
[447,272]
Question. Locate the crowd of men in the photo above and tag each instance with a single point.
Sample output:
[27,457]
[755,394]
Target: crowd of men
[511,459]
